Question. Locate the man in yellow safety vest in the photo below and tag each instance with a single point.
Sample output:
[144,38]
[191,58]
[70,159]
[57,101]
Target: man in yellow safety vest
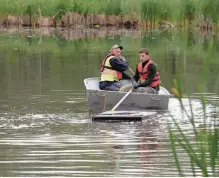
[113,69]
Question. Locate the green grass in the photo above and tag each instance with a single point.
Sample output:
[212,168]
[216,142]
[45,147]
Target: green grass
[146,10]
[203,149]
[53,7]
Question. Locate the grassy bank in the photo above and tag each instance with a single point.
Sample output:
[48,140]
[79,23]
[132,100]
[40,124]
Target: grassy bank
[145,13]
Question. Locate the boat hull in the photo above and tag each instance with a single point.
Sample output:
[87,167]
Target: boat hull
[99,100]
[102,100]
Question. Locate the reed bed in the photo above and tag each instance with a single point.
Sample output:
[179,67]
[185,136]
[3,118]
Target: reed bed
[147,13]
[202,150]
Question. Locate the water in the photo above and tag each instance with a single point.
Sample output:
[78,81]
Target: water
[45,127]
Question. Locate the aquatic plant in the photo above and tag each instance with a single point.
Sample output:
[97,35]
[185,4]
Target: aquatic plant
[202,150]
[148,12]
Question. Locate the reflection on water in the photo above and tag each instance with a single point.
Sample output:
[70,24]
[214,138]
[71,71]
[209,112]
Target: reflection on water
[45,129]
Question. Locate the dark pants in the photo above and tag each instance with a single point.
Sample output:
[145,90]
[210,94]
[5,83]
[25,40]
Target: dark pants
[147,90]
[112,86]
[140,89]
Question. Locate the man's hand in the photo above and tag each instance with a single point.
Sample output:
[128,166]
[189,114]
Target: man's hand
[137,85]
[133,81]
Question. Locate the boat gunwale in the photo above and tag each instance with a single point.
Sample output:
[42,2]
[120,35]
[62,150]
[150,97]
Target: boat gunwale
[123,92]
[133,93]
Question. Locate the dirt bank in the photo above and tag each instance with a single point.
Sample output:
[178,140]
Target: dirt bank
[69,20]
[72,19]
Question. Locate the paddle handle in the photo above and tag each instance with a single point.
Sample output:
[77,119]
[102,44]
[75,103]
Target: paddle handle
[131,71]
[123,98]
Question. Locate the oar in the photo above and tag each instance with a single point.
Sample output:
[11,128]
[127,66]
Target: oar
[105,116]
[123,98]
[131,71]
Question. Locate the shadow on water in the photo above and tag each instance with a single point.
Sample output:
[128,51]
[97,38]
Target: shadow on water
[45,126]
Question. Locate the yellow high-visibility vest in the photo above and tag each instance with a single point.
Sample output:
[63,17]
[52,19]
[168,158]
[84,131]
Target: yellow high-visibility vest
[108,74]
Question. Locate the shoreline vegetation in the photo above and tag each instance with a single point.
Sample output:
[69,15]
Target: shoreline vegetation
[99,13]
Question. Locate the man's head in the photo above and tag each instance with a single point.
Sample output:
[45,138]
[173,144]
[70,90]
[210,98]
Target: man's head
[143,54]
[116,50]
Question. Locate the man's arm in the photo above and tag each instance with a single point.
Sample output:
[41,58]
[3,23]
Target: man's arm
[118,64]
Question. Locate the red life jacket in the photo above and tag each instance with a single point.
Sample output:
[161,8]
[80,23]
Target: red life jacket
[115,73]
[143,74]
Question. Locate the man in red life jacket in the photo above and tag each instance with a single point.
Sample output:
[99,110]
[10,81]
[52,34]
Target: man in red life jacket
[146,75]
[112,70]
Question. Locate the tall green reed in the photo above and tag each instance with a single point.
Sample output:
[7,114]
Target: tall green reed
[203,150]
[209,10]
[149,10]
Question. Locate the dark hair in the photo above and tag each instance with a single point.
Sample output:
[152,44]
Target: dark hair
[144,50]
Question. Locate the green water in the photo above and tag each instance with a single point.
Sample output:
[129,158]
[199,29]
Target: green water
[45,129]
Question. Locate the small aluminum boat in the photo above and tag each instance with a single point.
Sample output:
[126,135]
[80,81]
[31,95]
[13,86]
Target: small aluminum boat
[103,100]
